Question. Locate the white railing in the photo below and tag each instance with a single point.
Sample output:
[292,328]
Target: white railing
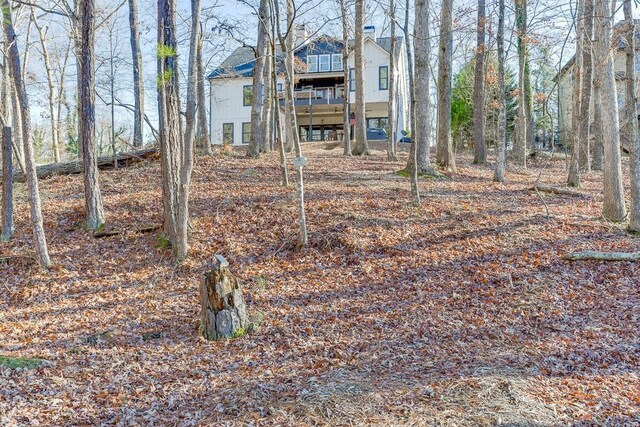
[317,93]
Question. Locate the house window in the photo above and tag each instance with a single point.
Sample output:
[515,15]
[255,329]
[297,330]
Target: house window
[337,62]
[378,122]
[246,132]
[325,63]
[247,95]
[352,79]
[279,87]
[227,133]
[383,78]
[312,63]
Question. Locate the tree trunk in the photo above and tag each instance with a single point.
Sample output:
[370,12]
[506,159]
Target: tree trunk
[29,158]
[421,90]
[4,94]
[286,44]
[267,112]
[291,122]
[479,145]
[520,145]
[223,310]
[391,141]
[573,178]
[407,37]
[186,149]
[53,119]
[501,149]
[597,147]
[278,123]
[7,185]
[8,101]
[87,120]
[203,125]
[61,95]
[444,155]
[632,114]
[16,119]
[345,71]
[361,143]
[172,146]
[138,86]
[613,205]
[259,87]
[586,89]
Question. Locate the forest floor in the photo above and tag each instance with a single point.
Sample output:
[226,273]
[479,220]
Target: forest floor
[457,313]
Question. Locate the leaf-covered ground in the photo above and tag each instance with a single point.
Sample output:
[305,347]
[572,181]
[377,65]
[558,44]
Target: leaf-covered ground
[457,313]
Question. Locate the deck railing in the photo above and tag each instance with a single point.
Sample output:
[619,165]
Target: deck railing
[317,95]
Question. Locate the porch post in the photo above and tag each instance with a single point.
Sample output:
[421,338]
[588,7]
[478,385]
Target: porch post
[310,133]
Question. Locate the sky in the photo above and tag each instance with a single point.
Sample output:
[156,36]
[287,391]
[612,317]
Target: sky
[113,40]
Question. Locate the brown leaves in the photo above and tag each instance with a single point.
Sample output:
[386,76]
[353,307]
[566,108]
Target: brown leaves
[458,312]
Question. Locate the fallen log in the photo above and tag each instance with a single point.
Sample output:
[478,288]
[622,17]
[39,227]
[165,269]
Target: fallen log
[558,190]
[75,167]
[601,256]
[108,233]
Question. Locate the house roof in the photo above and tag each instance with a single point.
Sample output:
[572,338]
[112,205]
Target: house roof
[240,62]
[619,41]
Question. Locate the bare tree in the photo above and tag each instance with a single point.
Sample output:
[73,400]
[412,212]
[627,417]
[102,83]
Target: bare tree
[573,178]
[632,114]
[52,92]
[597,147]
[421,90]
[138,86]
[391,142]
[286,45]
[613,204]
[586,89]
[480,148]
[361,143]
[176,151]
[501,155]
[520,144]
[408,36]
[345,70]
[267,111]
[13,58]
[260,77]
[7,185]
[202,132]
[278,119]
[87,120]
[445,155]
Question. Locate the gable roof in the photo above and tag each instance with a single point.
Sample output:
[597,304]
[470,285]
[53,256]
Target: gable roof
[240,62]
[618,40]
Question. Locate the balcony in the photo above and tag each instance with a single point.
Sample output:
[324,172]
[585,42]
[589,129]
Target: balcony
[316,96]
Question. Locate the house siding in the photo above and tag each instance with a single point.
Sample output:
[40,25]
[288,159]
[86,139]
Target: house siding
[565,88]
[227,99]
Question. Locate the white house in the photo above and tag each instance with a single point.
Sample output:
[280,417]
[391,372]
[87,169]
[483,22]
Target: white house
[565,81]
[319,88]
